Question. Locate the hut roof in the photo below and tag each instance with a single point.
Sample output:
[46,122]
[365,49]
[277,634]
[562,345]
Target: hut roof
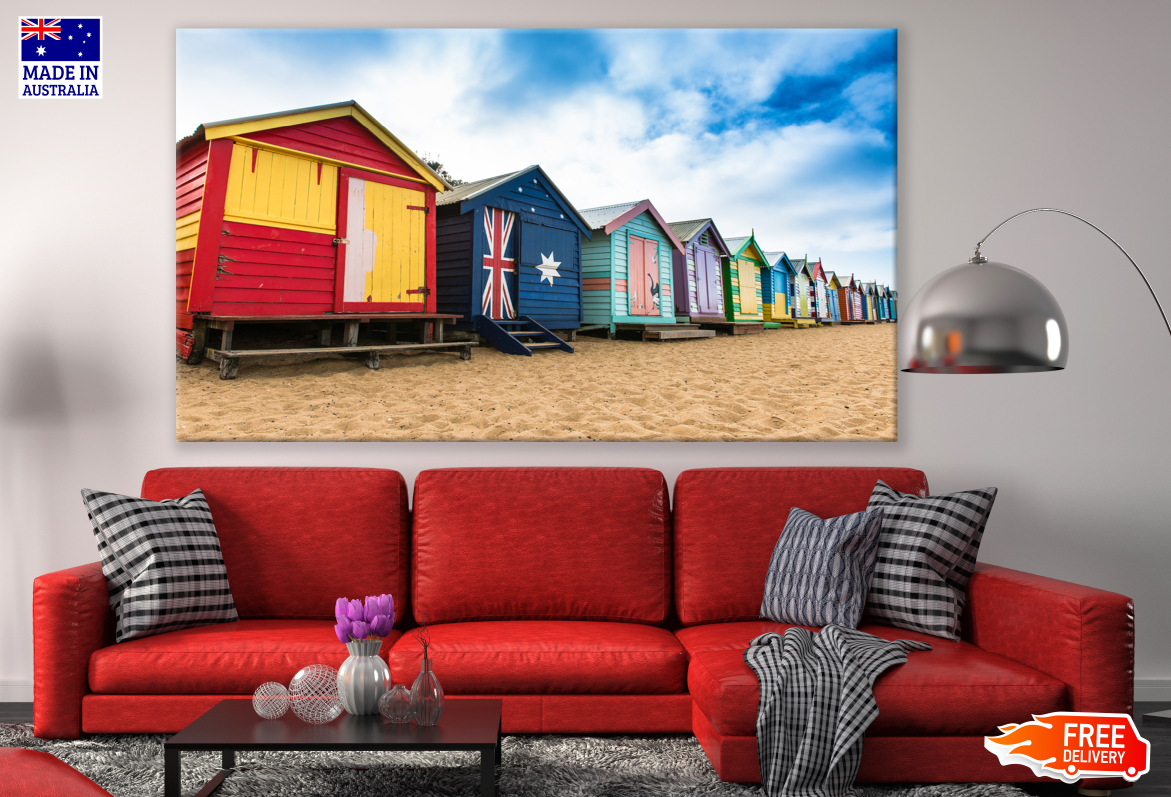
[610,217]
[832,280]
[738,245]
[210,131]
[480,192]
[779,259]
[686,231]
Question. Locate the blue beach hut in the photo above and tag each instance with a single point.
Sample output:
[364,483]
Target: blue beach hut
[777,288]
[509,260]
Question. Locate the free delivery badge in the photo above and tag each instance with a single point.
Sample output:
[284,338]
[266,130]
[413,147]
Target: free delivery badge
[1073,745]
[60,57]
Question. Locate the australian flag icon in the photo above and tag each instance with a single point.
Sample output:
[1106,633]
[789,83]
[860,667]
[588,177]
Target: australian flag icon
[59,40]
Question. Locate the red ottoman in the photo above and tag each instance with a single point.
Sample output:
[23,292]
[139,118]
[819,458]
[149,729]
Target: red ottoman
[31,773]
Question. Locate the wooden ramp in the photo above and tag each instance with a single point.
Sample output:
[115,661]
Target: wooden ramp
[735,327]
[521,336]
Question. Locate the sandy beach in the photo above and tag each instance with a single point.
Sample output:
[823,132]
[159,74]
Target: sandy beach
[817,384]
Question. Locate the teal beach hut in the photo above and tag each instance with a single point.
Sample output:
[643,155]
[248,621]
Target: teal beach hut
[626,267]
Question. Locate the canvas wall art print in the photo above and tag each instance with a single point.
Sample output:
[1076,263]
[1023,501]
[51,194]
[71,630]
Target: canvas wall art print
[531,235]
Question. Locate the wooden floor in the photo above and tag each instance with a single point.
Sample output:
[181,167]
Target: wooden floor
[1156,782]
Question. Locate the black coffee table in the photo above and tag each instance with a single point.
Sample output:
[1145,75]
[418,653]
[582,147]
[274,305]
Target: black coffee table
[231,725]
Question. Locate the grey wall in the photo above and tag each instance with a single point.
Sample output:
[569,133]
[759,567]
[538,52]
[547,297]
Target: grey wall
[1003,106]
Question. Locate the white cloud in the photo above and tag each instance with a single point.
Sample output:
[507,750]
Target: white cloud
[602,143]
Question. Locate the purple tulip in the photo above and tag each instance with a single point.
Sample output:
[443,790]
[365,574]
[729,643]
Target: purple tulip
[355,612]
[381,625]
[339,608]
[371,608]
[343,628]
[386,605]
[360,629]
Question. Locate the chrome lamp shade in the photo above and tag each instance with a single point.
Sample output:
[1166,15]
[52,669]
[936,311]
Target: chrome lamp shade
[983,318]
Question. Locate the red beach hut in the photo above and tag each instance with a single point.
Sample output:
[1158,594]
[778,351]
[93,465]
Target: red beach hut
[315,213]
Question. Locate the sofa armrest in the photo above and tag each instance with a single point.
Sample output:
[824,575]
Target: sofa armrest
[71,619]
[1080,635]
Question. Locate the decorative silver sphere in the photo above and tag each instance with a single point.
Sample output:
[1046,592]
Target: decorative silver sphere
[313,693]
[395,704]
[270,700]
[983,318]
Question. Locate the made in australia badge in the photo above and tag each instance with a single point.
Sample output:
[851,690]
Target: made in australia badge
[60,57]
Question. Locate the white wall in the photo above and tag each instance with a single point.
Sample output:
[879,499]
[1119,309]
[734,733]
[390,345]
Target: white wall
[1003,106]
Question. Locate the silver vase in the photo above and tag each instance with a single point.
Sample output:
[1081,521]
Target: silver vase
[362,678]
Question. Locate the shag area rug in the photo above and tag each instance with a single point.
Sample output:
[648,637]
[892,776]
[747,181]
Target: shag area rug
[533,766]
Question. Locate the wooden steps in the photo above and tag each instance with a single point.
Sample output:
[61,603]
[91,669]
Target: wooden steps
[509,336]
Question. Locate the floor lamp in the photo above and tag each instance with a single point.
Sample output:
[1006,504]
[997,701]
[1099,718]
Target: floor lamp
[992,318]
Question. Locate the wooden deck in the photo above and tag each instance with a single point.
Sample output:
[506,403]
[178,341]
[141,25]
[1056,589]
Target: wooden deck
[735,327]
[430,337]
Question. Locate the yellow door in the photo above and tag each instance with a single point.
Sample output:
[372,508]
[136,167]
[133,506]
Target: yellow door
[385,249]
[746,276]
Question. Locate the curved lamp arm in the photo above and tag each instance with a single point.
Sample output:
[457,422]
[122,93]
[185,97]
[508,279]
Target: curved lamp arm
[978,258]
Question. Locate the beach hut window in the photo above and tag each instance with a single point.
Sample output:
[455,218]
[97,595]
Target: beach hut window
[703,239]
[280,190]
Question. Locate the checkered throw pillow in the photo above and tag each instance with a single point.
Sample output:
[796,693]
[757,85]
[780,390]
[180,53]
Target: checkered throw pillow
[820,569]
[162,563]
[926,555]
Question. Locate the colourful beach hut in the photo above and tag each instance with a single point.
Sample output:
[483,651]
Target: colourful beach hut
[627,265]
[832,286]
[509,260]
[849,300]
[742,280]
[802,281]
[301,214]
[869,303]
[777,288]
[883,303]
[699,289]
[818,300]
[894,305]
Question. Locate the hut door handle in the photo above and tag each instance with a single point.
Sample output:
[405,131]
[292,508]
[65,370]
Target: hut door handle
[337,241]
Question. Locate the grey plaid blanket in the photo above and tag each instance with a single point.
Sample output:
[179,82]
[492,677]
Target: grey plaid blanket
[816,701]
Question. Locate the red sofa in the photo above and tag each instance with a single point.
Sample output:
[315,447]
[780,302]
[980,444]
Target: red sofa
[576,596]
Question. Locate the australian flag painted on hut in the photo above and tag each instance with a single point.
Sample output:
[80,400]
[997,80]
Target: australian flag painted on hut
[509,247]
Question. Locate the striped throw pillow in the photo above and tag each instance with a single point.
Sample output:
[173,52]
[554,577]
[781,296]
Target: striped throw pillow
[162,563]
[820,570]
[926,555]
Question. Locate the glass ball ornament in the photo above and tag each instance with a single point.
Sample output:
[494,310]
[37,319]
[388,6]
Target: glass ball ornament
[395,704]
[270,700]
[313,694]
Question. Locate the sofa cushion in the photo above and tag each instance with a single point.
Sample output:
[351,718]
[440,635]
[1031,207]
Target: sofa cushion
[162,561]
[955,689]
[296,539]
[233,658]
[546,657]
[926,555]
[820,569]
[34,772]
[726,522]
[542,544]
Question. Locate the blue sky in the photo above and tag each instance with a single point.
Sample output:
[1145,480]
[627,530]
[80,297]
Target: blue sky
[788,132]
